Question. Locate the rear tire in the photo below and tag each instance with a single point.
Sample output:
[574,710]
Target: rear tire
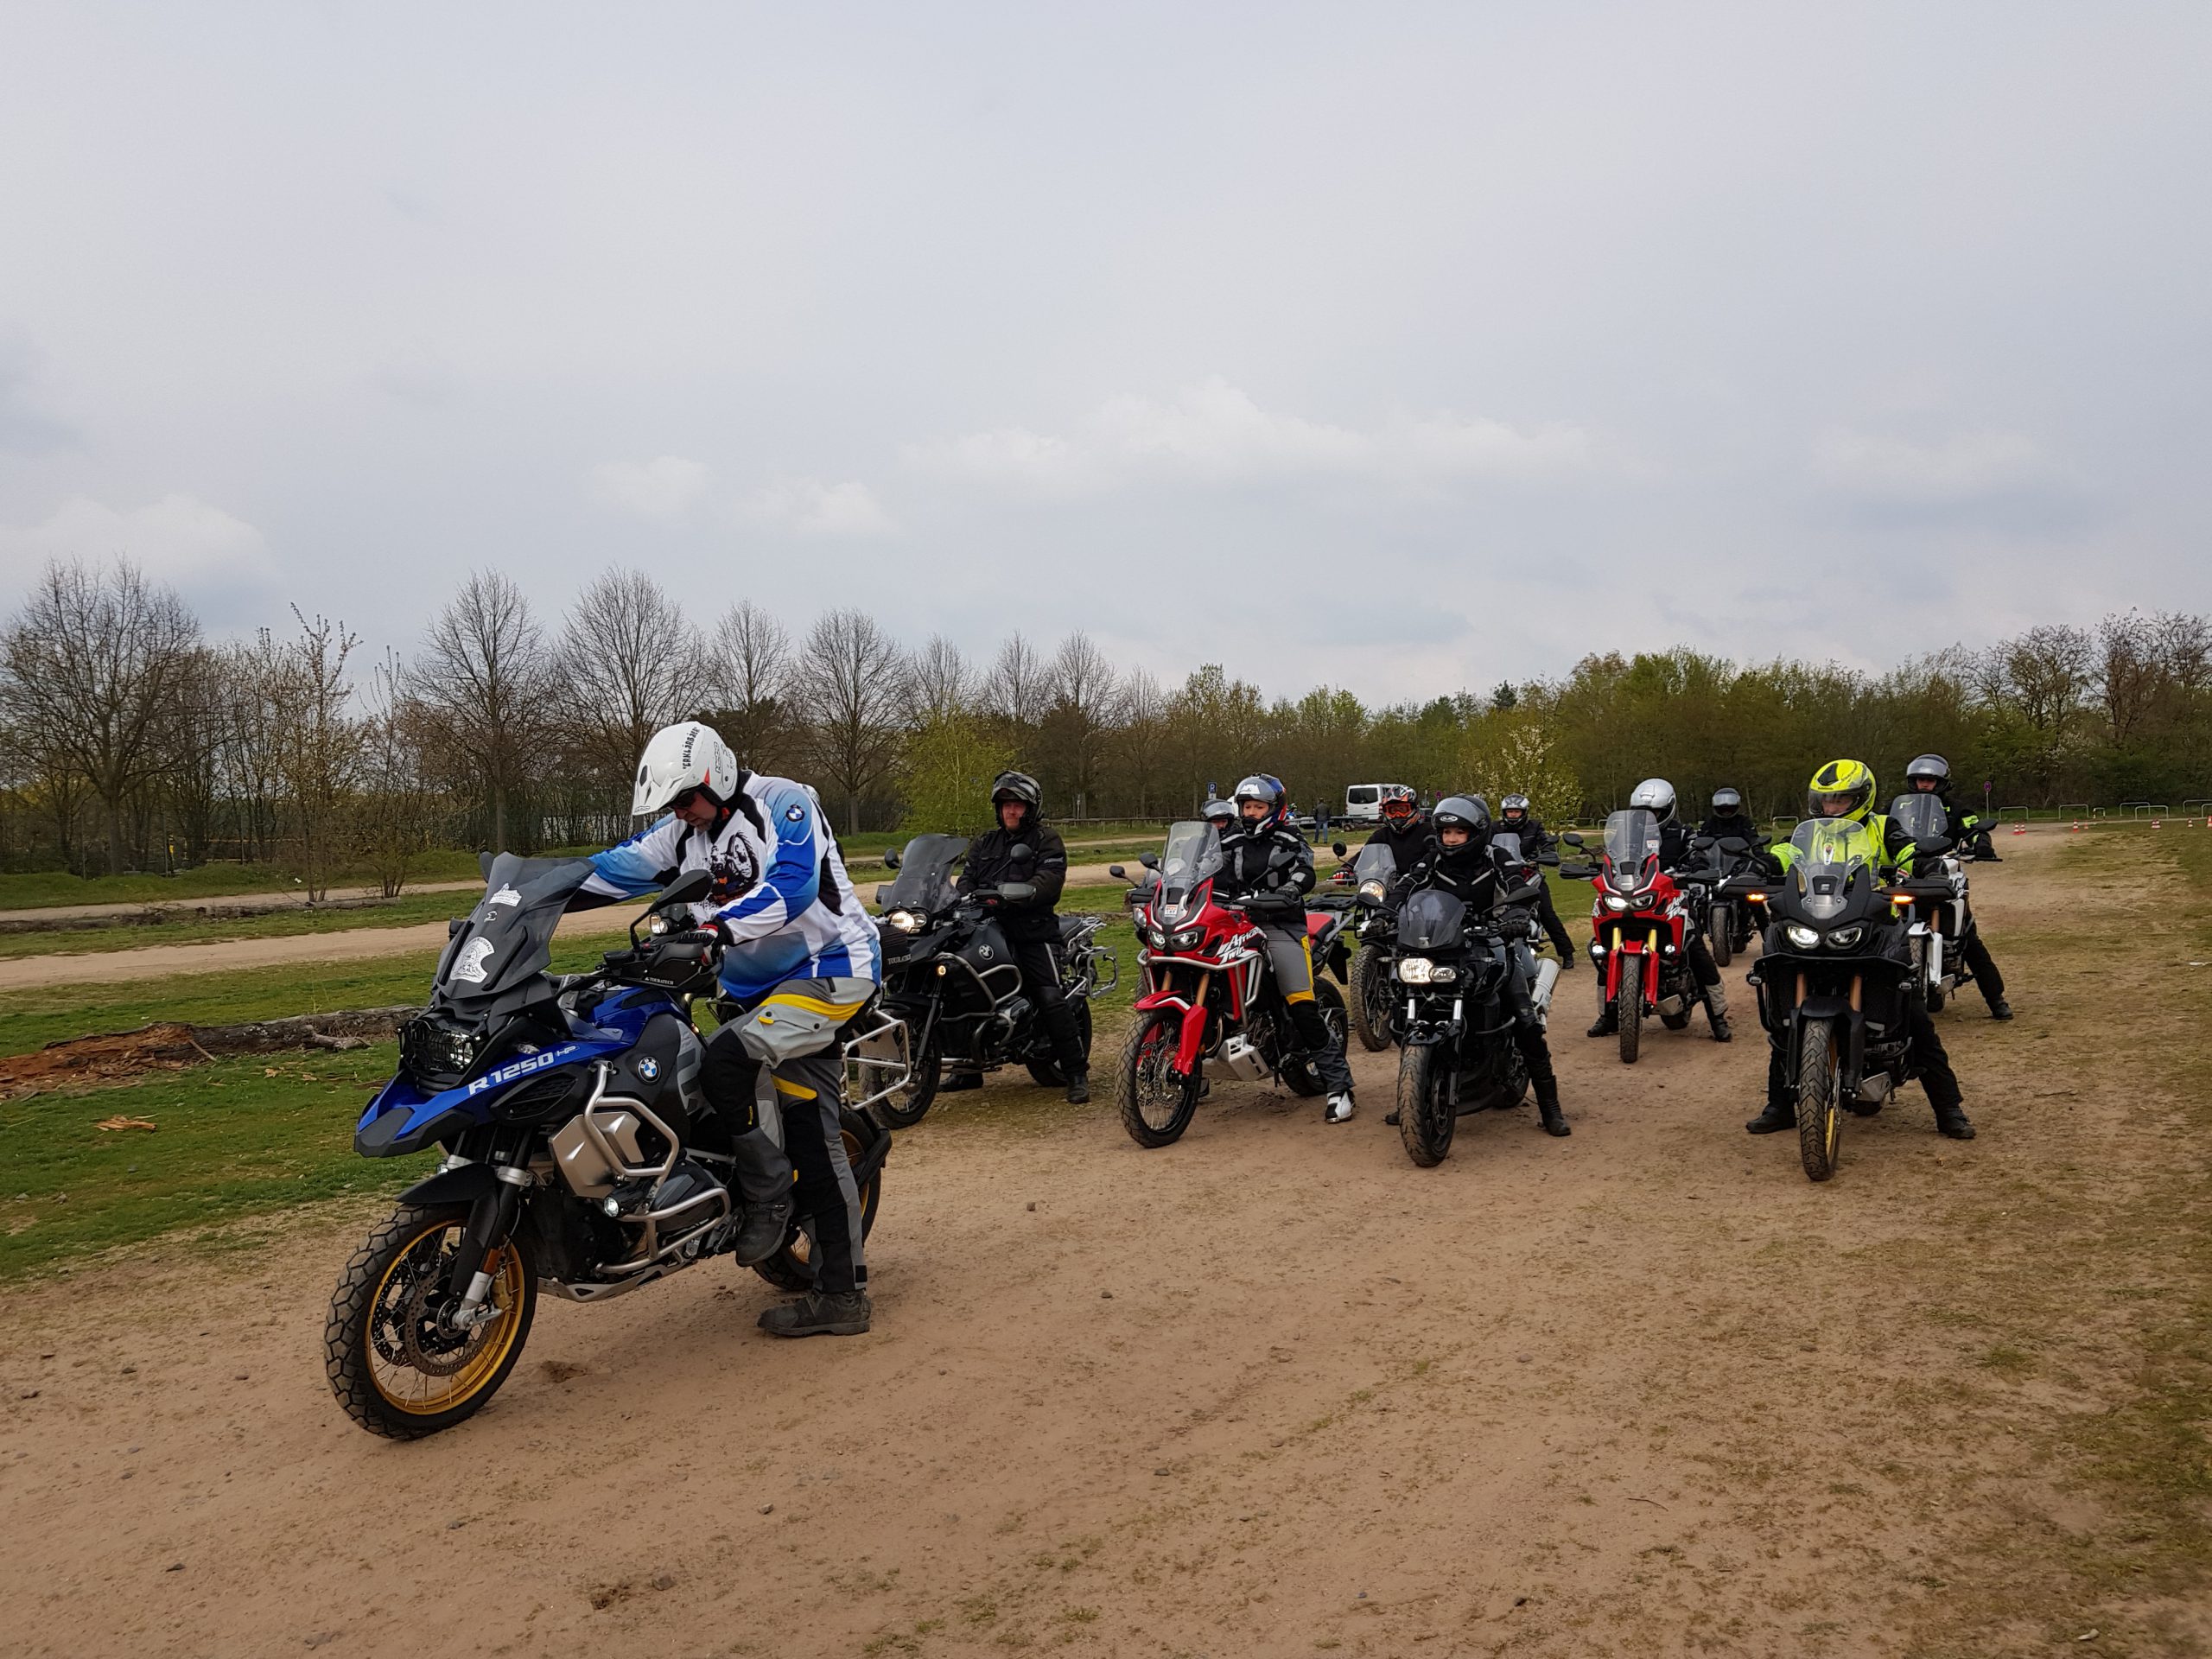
[1155,1107]
[792,1267]
[1046,1069]
[1426,1119]
[1374,1001]
[1820,1115]
[1299,1076]
[1629,1008]
[394,1372]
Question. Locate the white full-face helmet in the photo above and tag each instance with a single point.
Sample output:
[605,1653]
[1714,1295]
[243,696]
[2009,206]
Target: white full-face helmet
[689,756]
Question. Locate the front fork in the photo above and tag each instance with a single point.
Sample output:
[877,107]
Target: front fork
[490,1219]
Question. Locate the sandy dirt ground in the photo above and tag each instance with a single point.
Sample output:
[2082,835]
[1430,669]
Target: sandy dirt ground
[1272,1390]
[109,960]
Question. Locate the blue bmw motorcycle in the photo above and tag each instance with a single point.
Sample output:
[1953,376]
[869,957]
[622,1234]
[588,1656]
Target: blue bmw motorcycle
[581,1158]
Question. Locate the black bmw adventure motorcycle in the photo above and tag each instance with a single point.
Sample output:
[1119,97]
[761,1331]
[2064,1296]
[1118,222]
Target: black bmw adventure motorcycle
[949,976]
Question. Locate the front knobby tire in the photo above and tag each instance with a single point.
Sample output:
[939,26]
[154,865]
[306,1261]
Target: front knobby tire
[1299,1076]
[1155,1107]
[793,1267]
[1629,1008]
[1426,1118]
[910,1105]
[1723,943]
[1373,1000]
[1820,1110]
[1046,1069]
[394,1370]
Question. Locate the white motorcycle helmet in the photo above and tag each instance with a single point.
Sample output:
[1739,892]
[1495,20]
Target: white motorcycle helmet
[1656,797]
[689,756]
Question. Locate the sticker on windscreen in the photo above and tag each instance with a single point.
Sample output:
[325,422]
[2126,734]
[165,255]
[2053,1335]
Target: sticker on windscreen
[469,964]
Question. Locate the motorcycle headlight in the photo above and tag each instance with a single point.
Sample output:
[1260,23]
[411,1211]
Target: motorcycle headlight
[905,921]
[1442,975]
[1805,938]
[1844,938]
[1614,902]
[1415,970]
[1371,891]
[1188,939]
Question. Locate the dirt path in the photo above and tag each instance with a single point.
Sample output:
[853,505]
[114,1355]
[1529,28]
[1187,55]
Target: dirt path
[1271,1391]
[122,961]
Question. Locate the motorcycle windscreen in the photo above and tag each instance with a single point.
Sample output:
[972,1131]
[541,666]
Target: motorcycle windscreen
[1631,849]
[510,935]
[1923,818]
[1506,844]
[1432,919]
[1830,852]
[1191,854]
[924,879]
[1375,864]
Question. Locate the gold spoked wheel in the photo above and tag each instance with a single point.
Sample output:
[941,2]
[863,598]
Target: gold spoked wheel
[395,1362]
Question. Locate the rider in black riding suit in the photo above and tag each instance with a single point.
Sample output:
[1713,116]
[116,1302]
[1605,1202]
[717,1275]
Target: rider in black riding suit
[1405,829]
[1267,868]
[1930,774]
[1515,815]
[1029,926]
[1728,819]
[1462,863]
[1657,795]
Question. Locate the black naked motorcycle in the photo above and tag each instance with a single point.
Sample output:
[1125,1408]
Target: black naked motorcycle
[1834,978]
[1727,921]
[1936,887]
[1453,968]
[1373,1004]
[949,976]
[581,1158]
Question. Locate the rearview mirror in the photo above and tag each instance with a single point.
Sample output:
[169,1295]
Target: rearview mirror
[1571,839]
[1934,845]
[891,859]
[1150,860]
[1020,853]
[1117,873]
[688,888]
[484,865]
[1338,848]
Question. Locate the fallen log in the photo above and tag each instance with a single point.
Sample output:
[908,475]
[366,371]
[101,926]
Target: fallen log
[171,1046]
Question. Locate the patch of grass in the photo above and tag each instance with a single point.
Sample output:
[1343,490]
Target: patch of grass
[39,888]
[240,1137]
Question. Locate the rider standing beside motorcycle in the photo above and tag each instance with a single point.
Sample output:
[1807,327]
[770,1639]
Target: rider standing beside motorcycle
[1728,819]
[799,959]
[1463,864]
[1268,869]
[1930,774]
[1844,791]
[1030,925]
[1515,817]
[1656,797]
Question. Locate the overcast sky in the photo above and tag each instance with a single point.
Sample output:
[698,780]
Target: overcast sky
[1406,347]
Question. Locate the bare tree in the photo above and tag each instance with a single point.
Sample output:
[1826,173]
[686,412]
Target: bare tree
[750,679]
[92,662]
[317,741]
[1084,698]
[852,679]
[392,822]
[629,663]
[481,682]
[939,684]
[1015,688]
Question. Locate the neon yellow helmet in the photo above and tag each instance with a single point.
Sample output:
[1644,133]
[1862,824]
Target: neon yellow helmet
[1841,788]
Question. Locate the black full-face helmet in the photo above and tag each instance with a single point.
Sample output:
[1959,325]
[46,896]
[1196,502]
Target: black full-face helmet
[1467,812]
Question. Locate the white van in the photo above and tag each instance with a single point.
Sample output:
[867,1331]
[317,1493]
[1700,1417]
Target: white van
[1364,801]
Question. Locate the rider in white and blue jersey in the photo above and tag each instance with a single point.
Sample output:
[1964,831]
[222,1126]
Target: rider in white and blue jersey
[799,959]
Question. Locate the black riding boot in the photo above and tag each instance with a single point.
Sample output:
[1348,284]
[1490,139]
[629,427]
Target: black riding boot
[1781,1111]
[764,1182]
[1067,1051]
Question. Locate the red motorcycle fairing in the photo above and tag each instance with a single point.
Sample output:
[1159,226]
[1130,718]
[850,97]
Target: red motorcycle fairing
[1229,945]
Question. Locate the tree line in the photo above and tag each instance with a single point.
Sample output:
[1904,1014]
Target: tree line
[130,740]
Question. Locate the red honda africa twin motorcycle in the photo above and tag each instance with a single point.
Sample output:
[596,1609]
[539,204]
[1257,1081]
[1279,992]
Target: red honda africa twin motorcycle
[1205,1001]
[1639,927]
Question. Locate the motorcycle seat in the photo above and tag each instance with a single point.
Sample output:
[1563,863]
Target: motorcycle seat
[1072,925]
